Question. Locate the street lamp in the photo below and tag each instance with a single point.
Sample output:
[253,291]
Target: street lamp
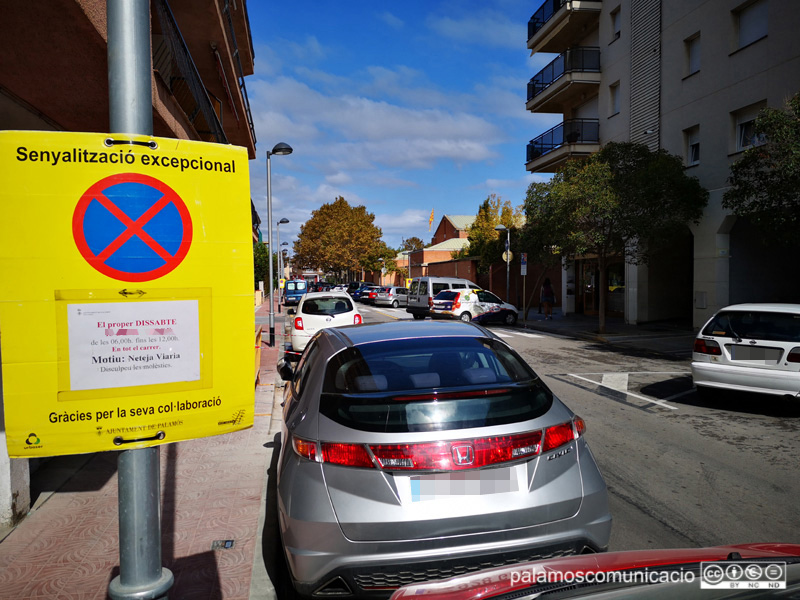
[280,268]
[501,228]
[280,149]
[408,263]
[383,269]
[281,261]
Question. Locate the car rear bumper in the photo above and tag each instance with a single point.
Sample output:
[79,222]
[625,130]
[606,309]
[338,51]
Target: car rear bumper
[375,569]
[746,379]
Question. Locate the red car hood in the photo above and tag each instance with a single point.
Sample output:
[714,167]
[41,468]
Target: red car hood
[494,582]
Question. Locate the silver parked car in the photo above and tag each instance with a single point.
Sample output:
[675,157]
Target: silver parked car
[420,450]
[392,296]
[750,348]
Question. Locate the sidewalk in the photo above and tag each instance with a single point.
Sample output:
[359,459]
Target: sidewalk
[663,338]
[68,546]
[213,490]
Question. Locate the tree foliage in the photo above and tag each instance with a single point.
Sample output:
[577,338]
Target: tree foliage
[339,237]
[412,243]
[623,201]
[261,264]
[486,244]
[765,182]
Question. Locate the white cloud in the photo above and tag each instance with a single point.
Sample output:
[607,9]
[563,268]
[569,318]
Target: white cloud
[486,27]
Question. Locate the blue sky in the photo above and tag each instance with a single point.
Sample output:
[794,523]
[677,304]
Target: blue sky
[400,107]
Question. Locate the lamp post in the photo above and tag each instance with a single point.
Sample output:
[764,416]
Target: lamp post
[408,263]
[280,149]
[383,269]
[280,266]
[501,228]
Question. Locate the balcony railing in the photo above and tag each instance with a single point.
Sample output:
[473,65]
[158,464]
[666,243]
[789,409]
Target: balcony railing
[581,60]
[573,131]
[543,15]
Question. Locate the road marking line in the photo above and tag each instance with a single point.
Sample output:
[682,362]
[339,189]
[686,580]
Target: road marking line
[616,381]
[637,396]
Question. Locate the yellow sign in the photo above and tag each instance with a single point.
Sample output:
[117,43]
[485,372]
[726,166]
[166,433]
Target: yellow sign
[281,283]
[126,315]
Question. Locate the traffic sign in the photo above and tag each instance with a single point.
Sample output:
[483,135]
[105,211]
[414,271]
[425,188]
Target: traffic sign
[126,302]
[132,227]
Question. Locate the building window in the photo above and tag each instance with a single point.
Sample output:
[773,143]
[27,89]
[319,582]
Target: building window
[692,139]
[744,127]
[616,24]
[751,23]
[692,46]
[613,98]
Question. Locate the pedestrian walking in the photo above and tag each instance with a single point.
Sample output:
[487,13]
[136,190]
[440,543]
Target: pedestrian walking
[548,298]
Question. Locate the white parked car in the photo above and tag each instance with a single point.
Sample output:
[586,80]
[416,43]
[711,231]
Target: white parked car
[319,310]
[470,304]
[751,348]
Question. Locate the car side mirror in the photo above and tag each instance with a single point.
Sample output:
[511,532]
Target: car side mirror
[286,371]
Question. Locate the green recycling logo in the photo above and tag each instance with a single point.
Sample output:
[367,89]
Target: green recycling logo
[32,439]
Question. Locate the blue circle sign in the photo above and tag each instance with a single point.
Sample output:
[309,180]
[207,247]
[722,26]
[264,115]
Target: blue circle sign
[132,227]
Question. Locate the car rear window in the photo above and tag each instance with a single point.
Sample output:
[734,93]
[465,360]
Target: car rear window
[435,385]
[446,295]
[326,305]
[755,325]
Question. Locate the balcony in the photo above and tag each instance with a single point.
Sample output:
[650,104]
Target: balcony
[570,139]
[559,24]
[570,77]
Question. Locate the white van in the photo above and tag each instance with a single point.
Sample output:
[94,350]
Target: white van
[423,289]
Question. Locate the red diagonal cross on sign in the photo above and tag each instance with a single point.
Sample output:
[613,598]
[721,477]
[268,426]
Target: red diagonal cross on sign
[116,258]
[133,228]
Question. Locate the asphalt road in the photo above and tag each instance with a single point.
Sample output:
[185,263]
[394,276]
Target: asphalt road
[681,472]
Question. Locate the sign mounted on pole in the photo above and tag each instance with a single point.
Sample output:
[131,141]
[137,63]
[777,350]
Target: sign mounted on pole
[127,261]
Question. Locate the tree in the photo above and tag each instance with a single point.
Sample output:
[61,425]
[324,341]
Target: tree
[484,242]
[261,264]
[765,182]
[339,237]
[623,201]
[412,243]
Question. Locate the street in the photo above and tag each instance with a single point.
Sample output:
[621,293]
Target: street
[681,472]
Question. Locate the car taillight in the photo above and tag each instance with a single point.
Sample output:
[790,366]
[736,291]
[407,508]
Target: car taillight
[430,301]
[304,448]
[349,455]
[357,320]
[458,455]
[707,347]
[455,455]
[457,301]
[559,435]
[794,355]
[298,322]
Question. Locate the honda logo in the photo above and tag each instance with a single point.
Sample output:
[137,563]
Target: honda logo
[463,455]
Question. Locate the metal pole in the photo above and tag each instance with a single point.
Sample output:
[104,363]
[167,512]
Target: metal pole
[280,262]
[508,261]
[269,241]
[141,576]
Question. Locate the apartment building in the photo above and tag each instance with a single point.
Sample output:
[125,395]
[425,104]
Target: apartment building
[688,76]
[54,77]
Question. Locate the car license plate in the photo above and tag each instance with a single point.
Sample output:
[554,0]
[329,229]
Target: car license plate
[467,483]
[767,356]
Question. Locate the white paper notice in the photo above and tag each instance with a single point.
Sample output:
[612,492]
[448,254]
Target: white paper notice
[141,343]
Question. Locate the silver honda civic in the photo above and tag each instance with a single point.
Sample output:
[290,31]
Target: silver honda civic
[420,450]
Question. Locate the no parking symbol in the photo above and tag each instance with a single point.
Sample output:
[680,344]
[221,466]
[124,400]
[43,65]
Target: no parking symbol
[132,227]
